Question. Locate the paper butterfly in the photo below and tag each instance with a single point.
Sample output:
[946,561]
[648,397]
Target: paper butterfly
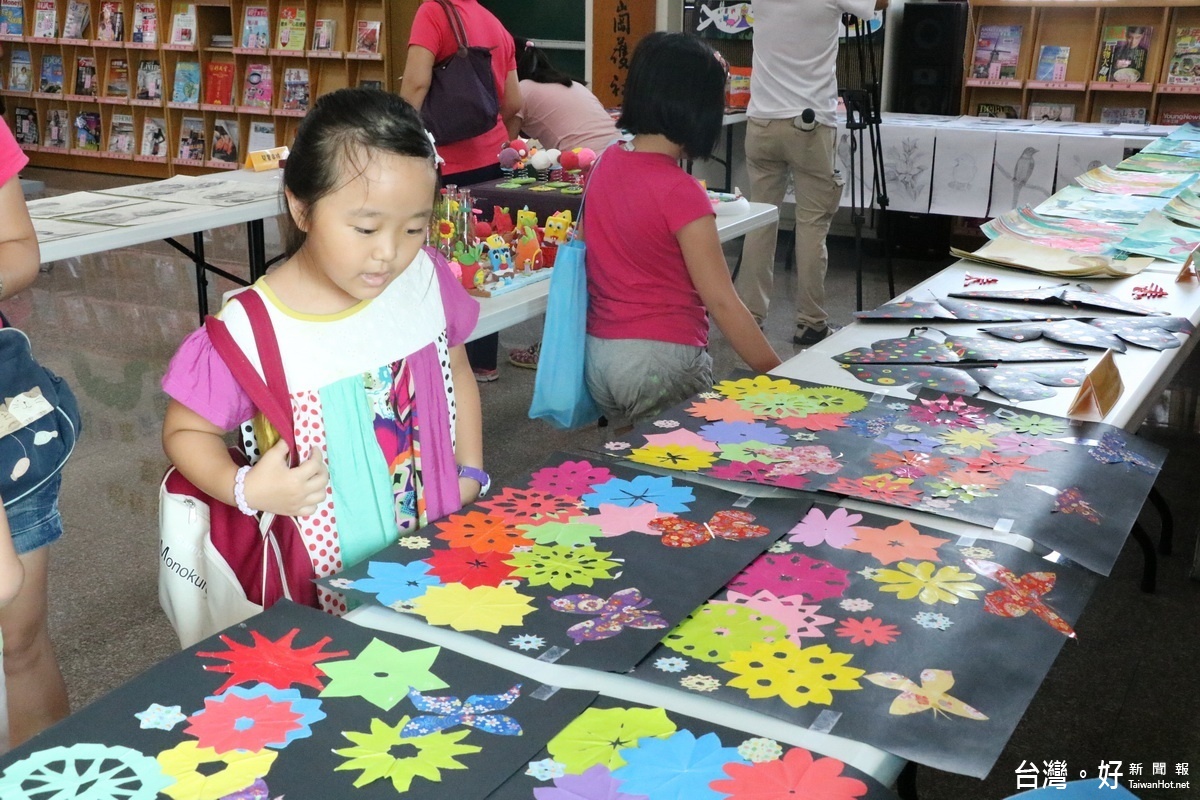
[477,712]
[1112,450]
[678,532]
[625,609]
[931,694]
[1020,595]
[1070,501]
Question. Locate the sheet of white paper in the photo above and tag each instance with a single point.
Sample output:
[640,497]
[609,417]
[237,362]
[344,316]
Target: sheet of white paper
[75,203]
[908,166]
[962,171]
[1022,171]
[859,175]
[1078,154]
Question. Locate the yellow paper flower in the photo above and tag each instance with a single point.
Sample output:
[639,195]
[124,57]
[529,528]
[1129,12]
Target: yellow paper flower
[182,763]
[478,608]
[735,390]
[967,437]
[920,581]
[796,676]
[673,456]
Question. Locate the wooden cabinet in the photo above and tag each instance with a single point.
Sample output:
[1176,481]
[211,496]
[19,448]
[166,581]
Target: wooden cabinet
[1111,61]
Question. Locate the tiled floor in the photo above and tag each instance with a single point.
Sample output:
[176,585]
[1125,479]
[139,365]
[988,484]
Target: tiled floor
[1126,691]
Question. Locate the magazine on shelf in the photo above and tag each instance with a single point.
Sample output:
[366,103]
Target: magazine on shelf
[225,141]
[149,80]
[366,36]
[85,76]
[293,28]
[154,137]
[145,23]
[262,136]
[1052,63]
[1052,112]
[183,23]
[120,134]
[1124,54]
[45,20]
[258,88]
[324,34]
[25,125]
[87,130]
[1123,116]
[218,83]
[186,88]
[20,72]
[256,31]
[191,139]
[57,129]
[997,52]
[116,82]
[998,110]
[12,18]
[111,27]
[1184,68]
[79,15]
[52,74]
[366,83]
[295,89]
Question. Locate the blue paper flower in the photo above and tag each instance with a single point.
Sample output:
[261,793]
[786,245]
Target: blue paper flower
[679,767]
[392,583]
[663,492]
[741,432]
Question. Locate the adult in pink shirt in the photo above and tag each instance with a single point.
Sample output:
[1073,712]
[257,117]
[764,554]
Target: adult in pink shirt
[655,268]
[557,110]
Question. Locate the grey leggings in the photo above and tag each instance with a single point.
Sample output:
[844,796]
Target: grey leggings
[636,379]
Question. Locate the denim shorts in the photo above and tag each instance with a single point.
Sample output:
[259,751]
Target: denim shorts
[34,519]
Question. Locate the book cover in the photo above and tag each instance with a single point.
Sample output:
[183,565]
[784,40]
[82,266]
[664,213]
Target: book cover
[25,127]
[295,89]
[997,52]
[120,134]
[324,34]
[1178,116]
[52,74]
[56,129]
[258,88]
[998,110]
[85,75]
[1124,54]
[145,23]
[20,72]
[112,22]
[293,28]
[12,18]
[186,88]
[116,82]
[366,36]
[75,26]
[1053,112]
[1184,68]
[255,30]
[1052,63]
[154,137]
[45,20]
[262,136]
[183,23]
[87,130]
[218,83]
[1123,116]
[191,139]
[149,80]
[367,83]
[225,141]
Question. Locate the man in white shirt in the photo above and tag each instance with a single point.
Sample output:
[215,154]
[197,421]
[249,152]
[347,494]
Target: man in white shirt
[794,71]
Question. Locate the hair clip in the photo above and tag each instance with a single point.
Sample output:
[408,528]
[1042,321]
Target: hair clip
[437,158]
[528,44]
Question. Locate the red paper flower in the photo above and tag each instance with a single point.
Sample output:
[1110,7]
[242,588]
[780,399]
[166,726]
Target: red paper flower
[571,479]
[868,631]
[1004,467]
[880,488]
[229,722]
[814,422]
[797,774]
[276,663]
[464,565]
[791,575]
[521,506]
[954,413]
[480,532]
[966,477]
[896,543]
[721,409]
[914,464]
[746,471]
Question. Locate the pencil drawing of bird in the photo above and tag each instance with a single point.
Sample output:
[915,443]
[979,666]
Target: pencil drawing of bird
[1022,172]
[962,175]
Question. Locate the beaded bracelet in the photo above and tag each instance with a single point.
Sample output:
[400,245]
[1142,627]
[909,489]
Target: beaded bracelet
[239,492]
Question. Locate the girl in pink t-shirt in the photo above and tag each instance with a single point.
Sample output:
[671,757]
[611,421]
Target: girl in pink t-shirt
[655,268]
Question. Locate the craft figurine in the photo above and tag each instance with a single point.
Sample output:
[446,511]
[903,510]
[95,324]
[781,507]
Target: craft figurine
[527,254]
[526,219]
[557,226]
[499,254]
[502,221]
[468,260]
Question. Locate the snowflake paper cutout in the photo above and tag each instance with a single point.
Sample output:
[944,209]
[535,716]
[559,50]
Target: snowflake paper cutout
[527,641]
[84,770]
[273,662]
[967,439]
[529,505]
[797,676]
[956,413]
[163,718]
[483,533]
[614,520]
[919,581]
[372,753]
[799,619]
[898,406]
[254,718]
[976,552]
[671,664]
[720,410]
[239,769]
[617,446]
[856,604]
[700,683]
[669,497]
[760,750]
[908,463]
[836,530]
[835,398]
[737,389]
[713,632]
[666,423]
[739,432]
[961,492]
[781,547]
[804,437]
[392,582]
[560,567]
[931,620]
[478,608]
[791,575]
[414,542]
[569,479]
[545,769]
[1036,424]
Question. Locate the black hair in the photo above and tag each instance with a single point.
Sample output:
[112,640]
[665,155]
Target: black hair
[534,65]
[676,87]
[336,138]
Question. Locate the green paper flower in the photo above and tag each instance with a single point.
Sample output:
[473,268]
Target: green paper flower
[561,566]
[598,735]
[567,533]
[715,631]
[372,753]
[1036,425]
[382,674]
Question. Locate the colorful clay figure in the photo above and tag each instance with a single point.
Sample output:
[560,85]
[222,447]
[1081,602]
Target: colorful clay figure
[499,254]
[526,218]
[528,251]
[468,260]
[557,226]
[502,221]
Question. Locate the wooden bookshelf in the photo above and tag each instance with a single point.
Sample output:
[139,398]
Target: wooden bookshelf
[1084,84]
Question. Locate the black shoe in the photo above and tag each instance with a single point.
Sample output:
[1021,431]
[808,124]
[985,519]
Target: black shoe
[806,336]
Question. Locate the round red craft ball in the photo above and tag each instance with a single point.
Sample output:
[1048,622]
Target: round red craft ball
[569,160]
[520,146]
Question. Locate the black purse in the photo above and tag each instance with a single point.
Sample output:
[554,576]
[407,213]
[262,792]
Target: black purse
[462,102]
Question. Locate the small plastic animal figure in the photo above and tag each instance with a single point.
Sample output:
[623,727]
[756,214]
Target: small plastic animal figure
[557,226]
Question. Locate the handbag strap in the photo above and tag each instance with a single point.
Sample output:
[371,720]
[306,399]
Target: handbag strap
[456,25]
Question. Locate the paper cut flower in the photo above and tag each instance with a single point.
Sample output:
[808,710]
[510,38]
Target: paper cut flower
[527,641]
[483,533]
[856,604]
[746,452]
[238,769]
[933,621]
[478,608]
[414,542]
[966,438]
[577,530]
[835,398]
[276,663]
[464,565]
[679,767]
[760,750]
[616,446]
[530,505]
[870,427]
[1036,424]
[163,718]
[919,581]
[737,389]
[614,520]
[477,711]
[879,488]
[797,676]
[700,683]
[83,770]
[867,631]
[624,609]
[680,437]
[908,463]
[382,674]
[569,479]
[545,769]
[1020,595]
[781,547]
[666,423]
[798,460]
[976,480]
[735,432]
[930,695]
[1005,467]
[722,410]
[372,753]
[671,664]
[804,436]
[684,458]
[813,422]
[595,784]
[1015,443]
[778,406]
[790,575]
[254,718]
[976,552]
[835,530]
[671,498]
[797,774]
[896,542]
[898,440]
[713,632]
[392,582]
[599,735]
[956,413]
[560,566]
[729,524]
[962,492]
[800,620]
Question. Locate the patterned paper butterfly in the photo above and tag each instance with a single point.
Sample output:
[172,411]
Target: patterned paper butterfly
[931,694]
[1112,450]
[1070,501]
[677,532]
[1020,595]
[624,609]
[477,712]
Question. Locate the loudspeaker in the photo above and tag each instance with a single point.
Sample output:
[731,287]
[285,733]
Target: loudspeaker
[929,64]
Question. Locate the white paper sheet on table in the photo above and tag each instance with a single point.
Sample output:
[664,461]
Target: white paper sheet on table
[1078,154]
[908,154]
[962,172]
[859,176]
[76,203]
[1022,171]
[139,214]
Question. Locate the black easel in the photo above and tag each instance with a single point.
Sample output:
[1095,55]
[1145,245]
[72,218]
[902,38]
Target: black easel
[861,96]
